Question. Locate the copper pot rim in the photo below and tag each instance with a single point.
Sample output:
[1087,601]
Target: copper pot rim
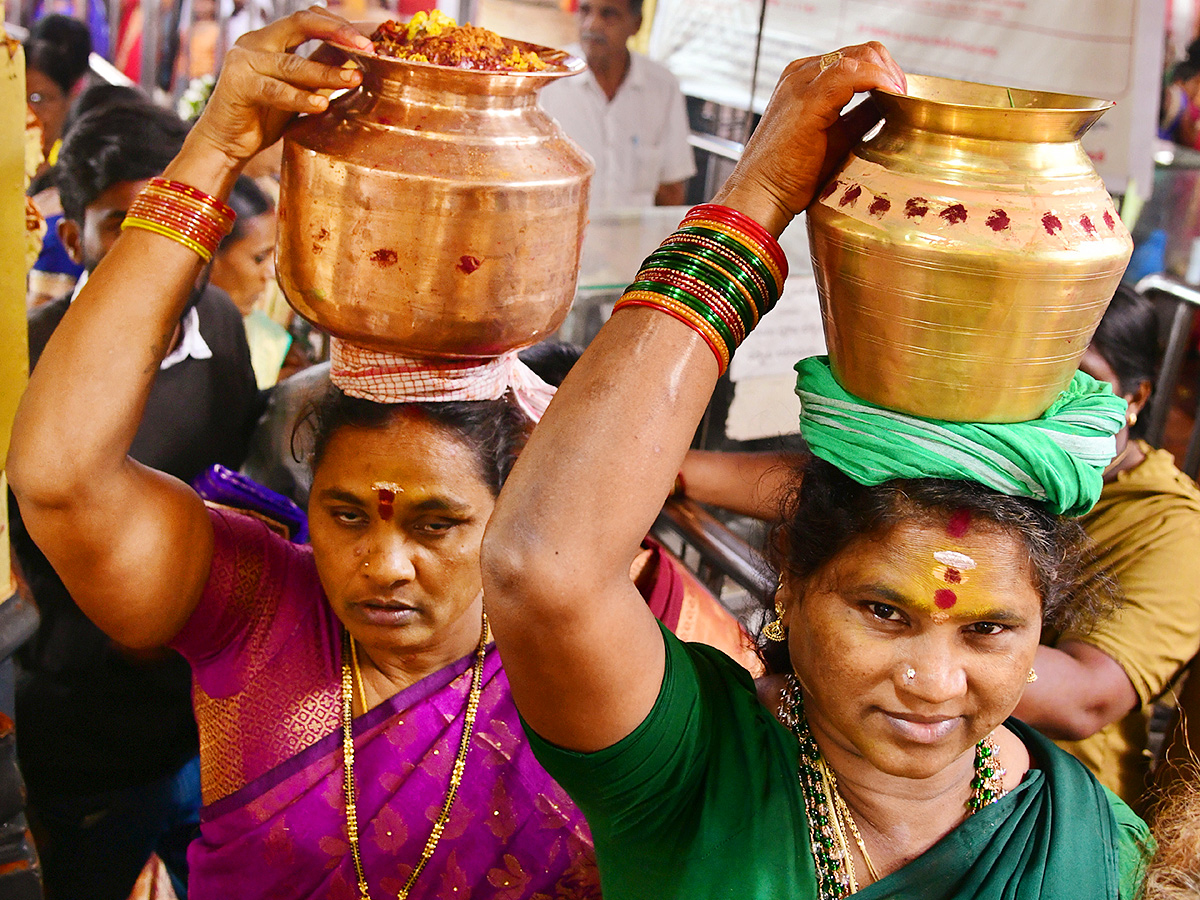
[569,63]
[933,89]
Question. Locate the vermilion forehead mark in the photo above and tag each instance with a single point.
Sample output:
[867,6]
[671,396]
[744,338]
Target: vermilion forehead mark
[944,598]
[959,523]
[953,576]
[387,492]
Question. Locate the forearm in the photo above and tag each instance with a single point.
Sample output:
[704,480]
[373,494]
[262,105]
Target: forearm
[1078,691]
[750,484]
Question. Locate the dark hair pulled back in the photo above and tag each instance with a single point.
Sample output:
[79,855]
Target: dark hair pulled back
[826,511]
[496,430]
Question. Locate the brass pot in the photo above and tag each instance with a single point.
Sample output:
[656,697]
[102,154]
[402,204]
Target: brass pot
[434,211]
[965,254]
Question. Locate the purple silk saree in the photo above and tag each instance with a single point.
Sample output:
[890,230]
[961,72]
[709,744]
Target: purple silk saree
[265,651]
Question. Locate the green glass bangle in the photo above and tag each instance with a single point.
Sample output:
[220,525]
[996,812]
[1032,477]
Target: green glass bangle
[744,296]
[691,295]
[719,289]
[681,296]
[743,252]
[755,289]
[712,297]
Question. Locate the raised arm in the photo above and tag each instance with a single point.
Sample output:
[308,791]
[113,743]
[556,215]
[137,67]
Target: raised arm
[751,484]
[582,652]
[132,545]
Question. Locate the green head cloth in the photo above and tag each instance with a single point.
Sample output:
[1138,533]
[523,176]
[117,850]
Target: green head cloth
[1058,458]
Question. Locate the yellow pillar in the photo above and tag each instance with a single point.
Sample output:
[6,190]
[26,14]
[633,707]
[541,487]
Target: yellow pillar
[14,350]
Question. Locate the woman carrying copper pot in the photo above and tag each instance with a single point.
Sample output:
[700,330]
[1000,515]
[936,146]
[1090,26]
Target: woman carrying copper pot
[358,736]
[918,563]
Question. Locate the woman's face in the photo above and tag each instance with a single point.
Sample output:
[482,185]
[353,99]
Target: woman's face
[915,645]
[243,269]
[49,103]
[396,516]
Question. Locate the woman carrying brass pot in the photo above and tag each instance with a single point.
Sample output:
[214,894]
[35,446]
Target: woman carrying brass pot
[358,736]
[919,562]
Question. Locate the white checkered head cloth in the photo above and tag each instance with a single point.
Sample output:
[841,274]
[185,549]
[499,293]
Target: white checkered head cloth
[389,378]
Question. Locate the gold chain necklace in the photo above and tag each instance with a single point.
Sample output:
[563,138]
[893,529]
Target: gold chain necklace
[351,674]
[842,813]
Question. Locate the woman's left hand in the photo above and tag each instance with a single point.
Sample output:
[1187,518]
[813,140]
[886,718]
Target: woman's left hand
[264,84]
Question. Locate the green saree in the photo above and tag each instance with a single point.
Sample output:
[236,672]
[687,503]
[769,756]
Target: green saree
[703,801]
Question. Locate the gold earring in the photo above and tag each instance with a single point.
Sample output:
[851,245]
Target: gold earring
[1131,419]
[1031,677]
[774,630]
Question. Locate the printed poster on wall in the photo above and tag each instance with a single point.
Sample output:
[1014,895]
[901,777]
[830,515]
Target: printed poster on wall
[1102,48]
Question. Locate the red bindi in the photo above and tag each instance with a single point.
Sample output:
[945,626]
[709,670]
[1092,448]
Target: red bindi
[959,523]
[387,503]
[944,598]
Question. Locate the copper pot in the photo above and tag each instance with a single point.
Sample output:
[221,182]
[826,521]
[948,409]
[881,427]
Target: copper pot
[965,253]
[434,211]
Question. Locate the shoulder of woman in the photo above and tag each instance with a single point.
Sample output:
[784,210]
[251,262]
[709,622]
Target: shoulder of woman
[770,691]
[1014,756]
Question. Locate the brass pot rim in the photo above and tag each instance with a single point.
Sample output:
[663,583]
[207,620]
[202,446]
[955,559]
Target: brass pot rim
[386,65]
[941,91]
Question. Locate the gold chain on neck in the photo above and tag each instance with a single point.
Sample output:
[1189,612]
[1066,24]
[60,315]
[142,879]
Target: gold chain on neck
[351,673]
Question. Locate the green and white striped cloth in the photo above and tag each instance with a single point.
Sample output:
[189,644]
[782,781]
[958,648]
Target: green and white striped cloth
[1058,458]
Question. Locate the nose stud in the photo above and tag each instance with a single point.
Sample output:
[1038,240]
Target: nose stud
[910,674]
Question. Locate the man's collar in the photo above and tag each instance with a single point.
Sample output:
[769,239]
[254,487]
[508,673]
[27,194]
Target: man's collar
[191,341]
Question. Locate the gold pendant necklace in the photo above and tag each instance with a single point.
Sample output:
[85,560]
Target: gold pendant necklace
[350,675]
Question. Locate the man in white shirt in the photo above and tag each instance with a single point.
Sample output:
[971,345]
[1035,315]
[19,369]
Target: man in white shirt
[626,111]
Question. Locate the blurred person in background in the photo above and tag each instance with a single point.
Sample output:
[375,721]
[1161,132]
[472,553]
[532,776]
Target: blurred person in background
[56,61]
[626,111]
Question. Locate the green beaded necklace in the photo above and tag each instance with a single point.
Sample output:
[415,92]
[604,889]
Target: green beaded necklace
[830,850]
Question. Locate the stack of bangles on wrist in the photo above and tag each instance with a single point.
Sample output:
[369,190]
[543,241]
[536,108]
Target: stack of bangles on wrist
[718,274]
[182,213]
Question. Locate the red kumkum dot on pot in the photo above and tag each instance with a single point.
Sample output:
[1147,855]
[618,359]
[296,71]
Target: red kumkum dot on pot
[1051,223]
[468,264]
[916,207]
[998,220]
[829,189]
[944,598]
[384,257]
[1109,220]
[852,193]
[1087,224]
[959,523]
[954,215]
[880,206]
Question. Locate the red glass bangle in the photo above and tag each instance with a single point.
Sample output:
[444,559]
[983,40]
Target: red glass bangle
[195,193]
[739,219]
[189,207]
[168,217]
[688,318]
[703,292]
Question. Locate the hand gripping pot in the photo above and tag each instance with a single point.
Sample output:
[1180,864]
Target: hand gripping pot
[434,211]
[966,252]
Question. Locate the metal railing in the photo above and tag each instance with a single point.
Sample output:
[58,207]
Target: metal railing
[723,554]
[1183,316]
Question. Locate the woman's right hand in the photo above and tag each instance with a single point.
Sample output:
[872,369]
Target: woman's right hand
[264,83]
[803,136]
